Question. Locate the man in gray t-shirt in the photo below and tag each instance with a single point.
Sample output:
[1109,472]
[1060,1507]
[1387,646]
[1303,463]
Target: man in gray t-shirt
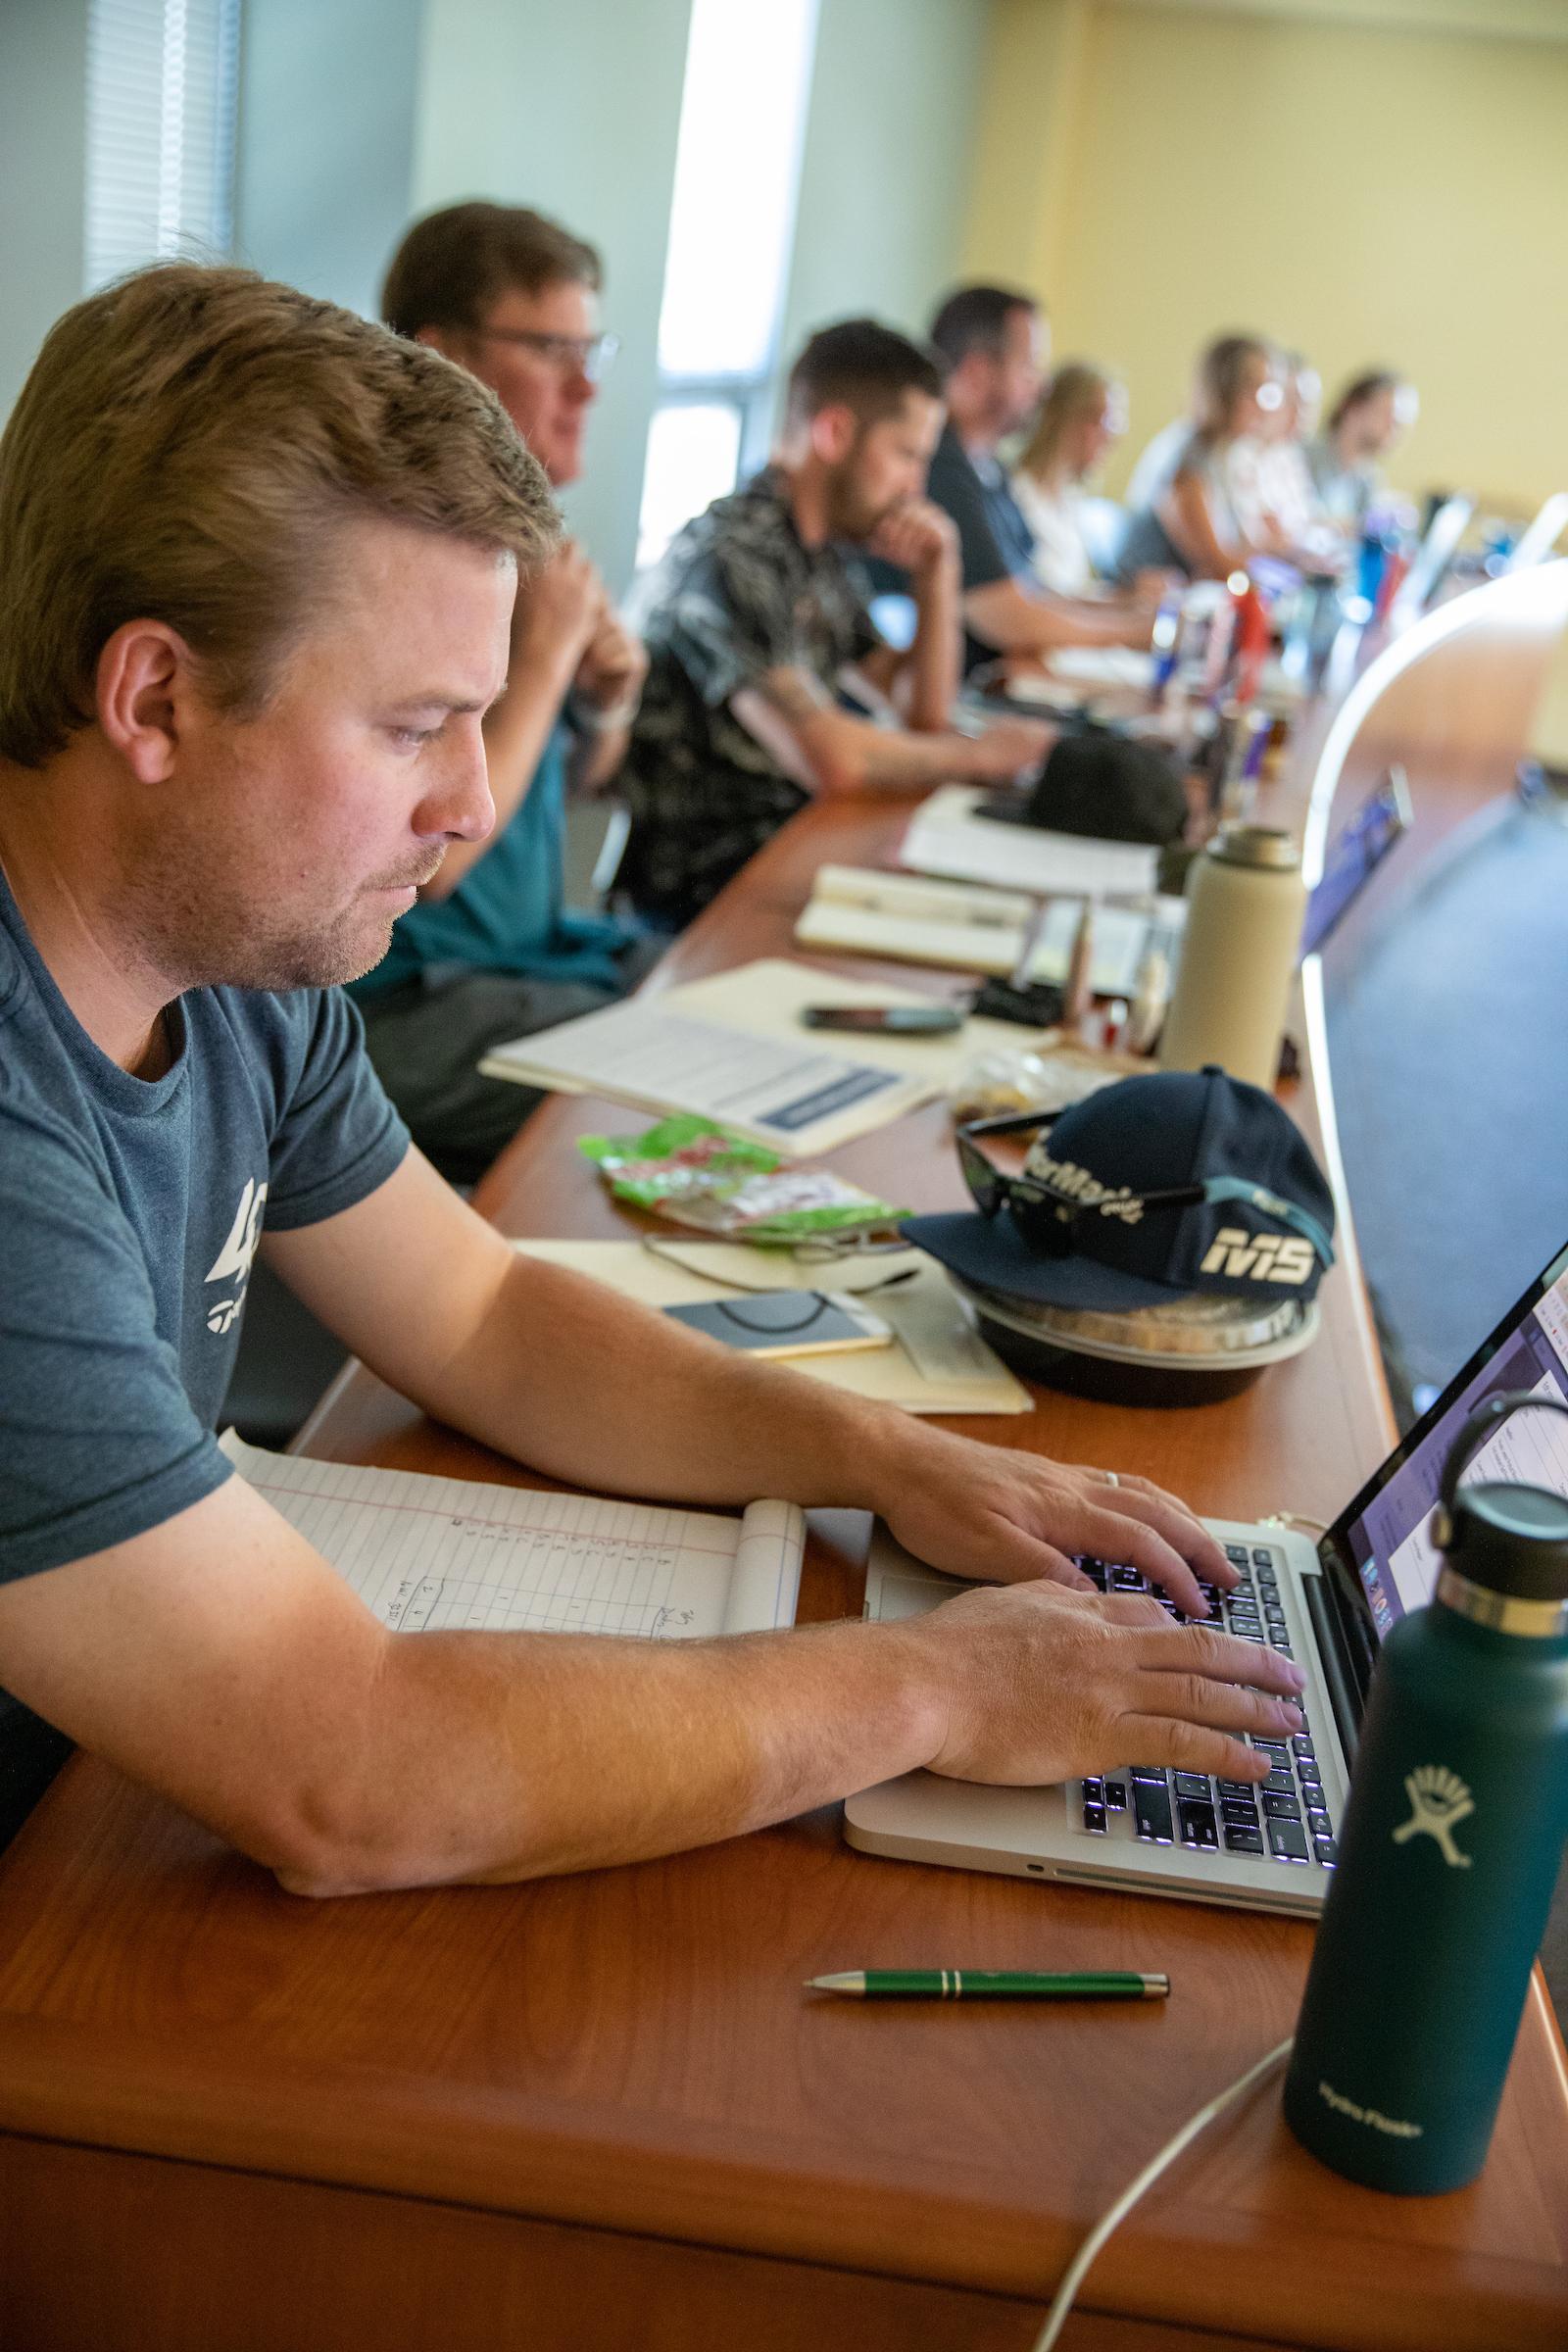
[258,562]
[131,1211]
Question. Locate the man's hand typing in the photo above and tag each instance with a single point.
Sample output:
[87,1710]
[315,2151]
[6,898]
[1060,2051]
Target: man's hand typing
[1040,1685]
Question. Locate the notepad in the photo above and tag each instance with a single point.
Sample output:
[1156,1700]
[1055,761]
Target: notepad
[447,1556]
[945,837]
[955,926]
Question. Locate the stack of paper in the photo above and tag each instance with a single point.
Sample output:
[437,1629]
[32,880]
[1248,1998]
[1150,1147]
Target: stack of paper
[945,837]
[954,926]
[937,1363]
[444,1555]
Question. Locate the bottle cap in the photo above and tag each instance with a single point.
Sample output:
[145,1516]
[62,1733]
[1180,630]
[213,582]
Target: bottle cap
[1256,845]
[1511,1540]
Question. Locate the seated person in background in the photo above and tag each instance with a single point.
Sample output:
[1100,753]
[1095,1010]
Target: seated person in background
[258,559]
[1083,415]
[1363,425]
[995,345]
[491,953]
[756,607]
[1271,483]
[1182,493]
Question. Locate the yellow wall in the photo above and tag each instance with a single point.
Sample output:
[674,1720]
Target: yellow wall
[1162,173]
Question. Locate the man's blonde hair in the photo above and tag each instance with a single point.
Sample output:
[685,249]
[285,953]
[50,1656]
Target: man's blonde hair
[185,450]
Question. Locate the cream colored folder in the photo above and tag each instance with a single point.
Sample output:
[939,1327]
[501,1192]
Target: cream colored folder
[938,1363]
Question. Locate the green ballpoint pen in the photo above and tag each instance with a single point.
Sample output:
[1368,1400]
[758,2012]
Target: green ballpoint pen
[992,1985]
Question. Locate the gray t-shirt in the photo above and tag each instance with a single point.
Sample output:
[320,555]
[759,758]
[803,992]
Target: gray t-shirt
[130,1211]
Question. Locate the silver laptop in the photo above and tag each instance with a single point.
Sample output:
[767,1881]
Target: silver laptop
[1155,1832]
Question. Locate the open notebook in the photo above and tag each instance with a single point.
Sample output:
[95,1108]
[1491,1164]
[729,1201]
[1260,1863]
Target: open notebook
[447,1556]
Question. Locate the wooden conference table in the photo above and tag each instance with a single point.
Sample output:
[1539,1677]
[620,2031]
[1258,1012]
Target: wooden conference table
[601,2112]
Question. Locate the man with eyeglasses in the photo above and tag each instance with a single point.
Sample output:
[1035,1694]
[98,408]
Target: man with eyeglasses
[491,952]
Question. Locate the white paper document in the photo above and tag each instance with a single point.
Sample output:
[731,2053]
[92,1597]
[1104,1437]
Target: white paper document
[788,1094]
[447,1556]
[945,837]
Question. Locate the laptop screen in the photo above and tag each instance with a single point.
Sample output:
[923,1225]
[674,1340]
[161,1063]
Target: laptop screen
[1387,1532]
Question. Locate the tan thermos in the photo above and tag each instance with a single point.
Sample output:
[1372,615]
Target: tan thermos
[1246,901]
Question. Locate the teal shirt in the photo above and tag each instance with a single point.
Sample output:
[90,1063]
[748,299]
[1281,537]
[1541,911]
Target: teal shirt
[508,913]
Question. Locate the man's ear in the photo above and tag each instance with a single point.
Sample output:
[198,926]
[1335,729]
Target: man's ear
[437,338]
[833,432]
[144,675]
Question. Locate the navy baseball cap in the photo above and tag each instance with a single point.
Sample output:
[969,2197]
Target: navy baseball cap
[1150,1190]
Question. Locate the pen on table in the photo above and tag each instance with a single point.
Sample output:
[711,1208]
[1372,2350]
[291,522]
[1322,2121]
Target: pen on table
[993,1985]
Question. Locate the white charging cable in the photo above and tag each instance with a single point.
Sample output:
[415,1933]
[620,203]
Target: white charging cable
[1078,2267]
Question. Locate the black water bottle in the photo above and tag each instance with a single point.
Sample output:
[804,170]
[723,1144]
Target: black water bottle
[1453,1837]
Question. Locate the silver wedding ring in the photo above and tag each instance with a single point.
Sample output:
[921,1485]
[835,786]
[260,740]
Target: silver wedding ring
[1112,1480]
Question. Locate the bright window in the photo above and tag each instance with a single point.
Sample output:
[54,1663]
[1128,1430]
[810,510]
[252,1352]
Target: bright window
[694,455]
[162,78]
[731,229]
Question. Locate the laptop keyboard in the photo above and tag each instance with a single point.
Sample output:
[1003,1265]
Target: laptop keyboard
[1287,1819]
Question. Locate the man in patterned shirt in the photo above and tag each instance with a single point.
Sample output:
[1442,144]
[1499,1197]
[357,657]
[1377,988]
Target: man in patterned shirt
[757,609]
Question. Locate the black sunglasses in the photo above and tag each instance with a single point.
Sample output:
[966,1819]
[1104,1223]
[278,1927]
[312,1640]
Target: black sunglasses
[1048,1219]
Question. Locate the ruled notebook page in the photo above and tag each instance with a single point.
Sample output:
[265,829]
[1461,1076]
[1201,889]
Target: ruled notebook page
[447,1556]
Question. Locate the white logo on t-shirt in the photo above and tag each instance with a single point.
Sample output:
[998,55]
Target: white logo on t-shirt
[233,1260]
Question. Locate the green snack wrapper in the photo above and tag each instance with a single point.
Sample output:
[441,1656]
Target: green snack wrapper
[697,1174]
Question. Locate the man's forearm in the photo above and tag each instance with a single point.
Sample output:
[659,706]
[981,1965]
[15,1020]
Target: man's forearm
[598,757]
[496,1758]
[636,1403]
[934,660]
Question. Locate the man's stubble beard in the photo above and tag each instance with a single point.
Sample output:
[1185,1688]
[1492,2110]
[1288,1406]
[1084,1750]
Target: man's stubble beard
[188,922]
[851,515]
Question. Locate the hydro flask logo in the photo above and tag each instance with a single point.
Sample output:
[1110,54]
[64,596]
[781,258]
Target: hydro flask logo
[1439,1802]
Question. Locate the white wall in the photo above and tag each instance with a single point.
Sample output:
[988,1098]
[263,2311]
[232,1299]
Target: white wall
[887,162]
[43,135]
[324,164]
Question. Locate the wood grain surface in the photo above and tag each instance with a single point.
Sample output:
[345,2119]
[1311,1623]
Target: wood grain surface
[603,2111]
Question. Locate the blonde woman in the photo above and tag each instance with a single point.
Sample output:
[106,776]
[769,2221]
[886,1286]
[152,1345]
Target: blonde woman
[1188,520]
[1082,413]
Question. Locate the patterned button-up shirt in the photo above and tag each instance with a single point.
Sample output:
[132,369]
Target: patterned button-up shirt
[738,593]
